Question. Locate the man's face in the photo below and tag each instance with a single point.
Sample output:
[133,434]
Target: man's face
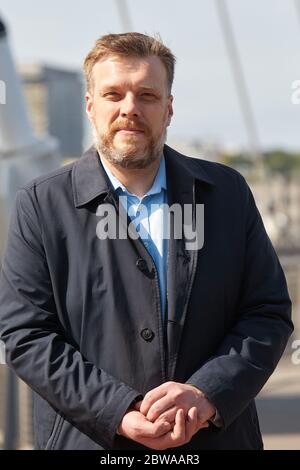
[130,109]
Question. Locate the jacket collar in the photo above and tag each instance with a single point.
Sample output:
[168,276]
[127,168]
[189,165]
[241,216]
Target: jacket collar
[185,167]
[89,179]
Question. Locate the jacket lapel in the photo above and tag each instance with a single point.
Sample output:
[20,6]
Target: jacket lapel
[182,185]
[180,262]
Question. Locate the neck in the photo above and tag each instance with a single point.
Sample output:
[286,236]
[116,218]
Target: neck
[138,181]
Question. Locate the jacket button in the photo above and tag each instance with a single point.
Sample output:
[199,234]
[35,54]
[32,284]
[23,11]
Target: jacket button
[147,334]
[141,265]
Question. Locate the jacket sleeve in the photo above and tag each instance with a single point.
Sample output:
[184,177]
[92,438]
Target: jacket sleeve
[250,351]
[36,346]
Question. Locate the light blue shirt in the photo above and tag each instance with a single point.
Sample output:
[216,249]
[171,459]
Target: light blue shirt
[149,215]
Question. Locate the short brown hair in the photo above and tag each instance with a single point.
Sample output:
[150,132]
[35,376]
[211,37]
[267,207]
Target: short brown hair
[131,45]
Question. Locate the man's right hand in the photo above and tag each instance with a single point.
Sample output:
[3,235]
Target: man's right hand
[159,435]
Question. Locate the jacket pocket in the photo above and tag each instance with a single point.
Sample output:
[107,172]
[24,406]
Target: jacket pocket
[57,426]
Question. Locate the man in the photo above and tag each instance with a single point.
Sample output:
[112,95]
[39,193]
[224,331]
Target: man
[144,340]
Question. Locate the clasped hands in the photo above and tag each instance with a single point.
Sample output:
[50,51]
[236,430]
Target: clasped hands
[168,416]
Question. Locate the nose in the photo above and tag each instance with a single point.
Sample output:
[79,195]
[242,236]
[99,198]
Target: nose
[129,106]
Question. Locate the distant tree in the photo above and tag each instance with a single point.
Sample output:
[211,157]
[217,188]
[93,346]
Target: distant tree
[279,161]
[275,161]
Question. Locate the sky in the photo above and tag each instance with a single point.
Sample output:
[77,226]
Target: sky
[61,32]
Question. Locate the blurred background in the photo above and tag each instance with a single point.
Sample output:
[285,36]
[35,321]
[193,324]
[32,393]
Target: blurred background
[236,101]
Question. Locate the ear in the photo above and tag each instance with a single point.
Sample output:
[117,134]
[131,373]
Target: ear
[170,109]
[89,106]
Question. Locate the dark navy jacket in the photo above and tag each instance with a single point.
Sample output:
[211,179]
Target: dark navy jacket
[80,317]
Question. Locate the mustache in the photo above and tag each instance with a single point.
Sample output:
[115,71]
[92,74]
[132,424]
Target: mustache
[130,125]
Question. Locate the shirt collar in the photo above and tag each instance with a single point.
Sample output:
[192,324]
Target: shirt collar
[159,183]
[90,181]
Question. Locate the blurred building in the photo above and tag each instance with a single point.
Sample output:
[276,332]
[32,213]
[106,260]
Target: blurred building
[278,199]
[55,103]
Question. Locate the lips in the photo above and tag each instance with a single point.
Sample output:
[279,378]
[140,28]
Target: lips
[129,130]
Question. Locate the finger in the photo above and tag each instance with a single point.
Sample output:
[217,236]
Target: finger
[153,430]
[191,423]
[174,437]
[159,407]
[178,433]
[137,406]
[169,415]
[150,398]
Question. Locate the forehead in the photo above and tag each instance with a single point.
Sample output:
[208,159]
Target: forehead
[132,71]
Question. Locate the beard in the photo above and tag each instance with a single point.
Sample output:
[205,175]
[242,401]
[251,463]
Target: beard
[129,157]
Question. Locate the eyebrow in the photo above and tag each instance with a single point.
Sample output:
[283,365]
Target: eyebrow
[140,88]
